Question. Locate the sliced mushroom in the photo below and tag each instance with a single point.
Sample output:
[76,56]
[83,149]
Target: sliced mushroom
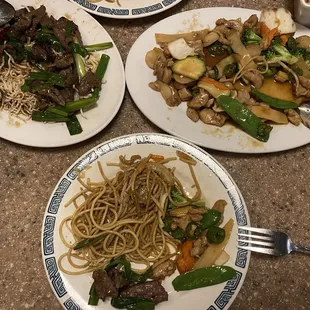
[208,116]
[217,108]
[210,38]
[170,95]
[251,21]
[192,114]
[185,94]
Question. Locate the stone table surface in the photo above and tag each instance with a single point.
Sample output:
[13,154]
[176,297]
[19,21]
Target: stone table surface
[275,188]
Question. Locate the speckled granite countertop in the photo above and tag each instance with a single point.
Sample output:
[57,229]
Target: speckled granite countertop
[275,187]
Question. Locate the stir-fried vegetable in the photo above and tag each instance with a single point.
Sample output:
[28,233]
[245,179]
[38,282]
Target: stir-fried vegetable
[213,251]
[273,102]
[93,299]
[277,52]
[203,277]
[185,261]
[250,37]
[216,234]
[245,118]
[98,47]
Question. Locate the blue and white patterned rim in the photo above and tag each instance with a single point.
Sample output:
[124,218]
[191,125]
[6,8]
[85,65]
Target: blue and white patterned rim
[126,13]
[226,297]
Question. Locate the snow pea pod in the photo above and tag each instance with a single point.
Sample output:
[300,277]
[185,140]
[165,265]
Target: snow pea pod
[274,102]
[209,219]
[248,121]
[203,277]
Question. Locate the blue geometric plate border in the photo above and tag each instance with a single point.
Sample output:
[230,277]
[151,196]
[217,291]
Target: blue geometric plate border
[232,287]
[126,13]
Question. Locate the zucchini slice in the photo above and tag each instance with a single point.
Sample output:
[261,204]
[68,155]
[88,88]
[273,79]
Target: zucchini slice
[191,67]
[182,79]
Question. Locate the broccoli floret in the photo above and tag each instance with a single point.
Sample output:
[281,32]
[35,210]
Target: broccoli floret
[291,44]
[276,41]
[277,52]
[250,37]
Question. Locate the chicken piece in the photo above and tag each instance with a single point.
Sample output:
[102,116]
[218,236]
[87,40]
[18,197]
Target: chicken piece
[199,245]
[255,78]
[195,217]
[243,96]
[301,91]
[208,116]
[210,103]
[164,47]
[198,47]
[304,82]
[181,222]
[223,32]
[235,24]
[162,72]
[185,94]
[164,269]
[293,117]
[197,211]
[199,100]
[192,114]
[251,22]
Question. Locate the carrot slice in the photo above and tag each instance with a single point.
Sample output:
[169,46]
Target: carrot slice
[284,38]
[185,261]
[267,34]
[215,83]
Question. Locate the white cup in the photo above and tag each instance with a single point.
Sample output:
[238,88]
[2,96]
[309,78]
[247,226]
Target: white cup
[302,12]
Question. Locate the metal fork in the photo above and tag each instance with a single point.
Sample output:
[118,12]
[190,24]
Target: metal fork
[267,241]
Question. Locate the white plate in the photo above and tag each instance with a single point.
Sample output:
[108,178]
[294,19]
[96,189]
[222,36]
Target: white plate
[72,291]
[174,120]
[54,135]
[129,8]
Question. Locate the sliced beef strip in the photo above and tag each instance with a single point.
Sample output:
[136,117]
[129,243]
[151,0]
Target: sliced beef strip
[104,286]
[38,15]
[151,290]
[71,77]
[88,82]
[59,29]
[67,94]
[48,21]
[117,278]
[53,95]
[42,52]
[23,22]
[64,61]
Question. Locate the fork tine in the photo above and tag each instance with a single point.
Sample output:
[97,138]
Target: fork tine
[259,230]
[260,250]
[255,237]
[263,243]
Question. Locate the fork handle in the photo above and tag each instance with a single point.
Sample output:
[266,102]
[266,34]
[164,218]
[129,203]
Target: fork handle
[302,249]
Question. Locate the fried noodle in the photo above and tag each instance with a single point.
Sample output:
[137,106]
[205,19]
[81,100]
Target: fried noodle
[126,211]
